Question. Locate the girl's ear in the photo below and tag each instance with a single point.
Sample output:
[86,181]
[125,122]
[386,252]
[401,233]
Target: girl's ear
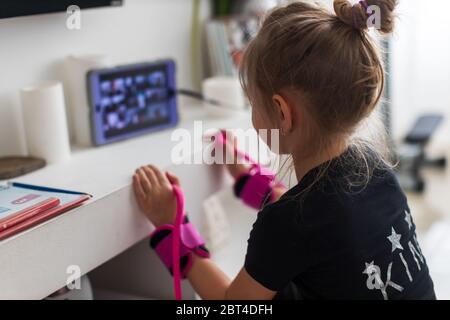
[285,113]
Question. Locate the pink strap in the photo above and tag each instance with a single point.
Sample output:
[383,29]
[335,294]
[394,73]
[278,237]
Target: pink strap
[182,241]
[176,242]
[222,140]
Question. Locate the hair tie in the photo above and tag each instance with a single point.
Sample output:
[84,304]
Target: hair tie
[364,4]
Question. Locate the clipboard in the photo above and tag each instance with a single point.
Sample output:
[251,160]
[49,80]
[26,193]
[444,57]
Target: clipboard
[55,202]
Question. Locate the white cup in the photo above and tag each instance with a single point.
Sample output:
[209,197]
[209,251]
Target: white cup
[45,122]
[228,92]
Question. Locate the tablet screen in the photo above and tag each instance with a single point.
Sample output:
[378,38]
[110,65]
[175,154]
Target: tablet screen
[132,100]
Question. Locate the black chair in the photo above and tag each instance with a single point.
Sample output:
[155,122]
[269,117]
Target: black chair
[412,153]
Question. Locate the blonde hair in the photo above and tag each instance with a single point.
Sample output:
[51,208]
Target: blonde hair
[329,59]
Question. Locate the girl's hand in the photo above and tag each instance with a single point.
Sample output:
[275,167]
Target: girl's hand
[154,194]
[236,169]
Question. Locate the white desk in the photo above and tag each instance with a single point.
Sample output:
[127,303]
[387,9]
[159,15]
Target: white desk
[33,264]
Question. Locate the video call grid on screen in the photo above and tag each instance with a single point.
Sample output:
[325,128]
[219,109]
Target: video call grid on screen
[131,101]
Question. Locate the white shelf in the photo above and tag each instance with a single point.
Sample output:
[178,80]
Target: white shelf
[34,263]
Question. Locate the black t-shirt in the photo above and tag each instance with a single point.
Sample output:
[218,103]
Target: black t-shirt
[333,241]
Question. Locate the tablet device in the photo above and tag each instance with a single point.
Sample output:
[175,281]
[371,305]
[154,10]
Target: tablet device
[131,100]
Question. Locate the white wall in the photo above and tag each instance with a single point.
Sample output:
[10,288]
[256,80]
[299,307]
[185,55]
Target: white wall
[421,61]
[33,48]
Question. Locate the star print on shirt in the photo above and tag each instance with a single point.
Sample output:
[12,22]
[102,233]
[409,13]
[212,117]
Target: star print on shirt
[408,219]
[394,238]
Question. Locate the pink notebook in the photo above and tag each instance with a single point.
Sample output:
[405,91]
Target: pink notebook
[24,206]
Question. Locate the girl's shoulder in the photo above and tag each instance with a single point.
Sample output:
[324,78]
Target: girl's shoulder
[355,172]
[340,190]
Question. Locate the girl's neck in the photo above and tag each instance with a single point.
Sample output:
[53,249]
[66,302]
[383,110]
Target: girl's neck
[305,163]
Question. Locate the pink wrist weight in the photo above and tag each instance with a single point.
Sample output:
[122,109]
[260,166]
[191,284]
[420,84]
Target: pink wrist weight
[255,187]
[190,243]
[177,244]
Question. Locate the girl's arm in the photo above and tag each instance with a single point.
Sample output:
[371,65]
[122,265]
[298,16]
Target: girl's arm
[211,283]
[155,196]
[236,169]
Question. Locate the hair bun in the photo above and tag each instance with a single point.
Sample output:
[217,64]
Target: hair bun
[357,15]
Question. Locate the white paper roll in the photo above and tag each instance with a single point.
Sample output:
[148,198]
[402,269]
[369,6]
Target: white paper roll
[45,122]
[227,91]
[76,69]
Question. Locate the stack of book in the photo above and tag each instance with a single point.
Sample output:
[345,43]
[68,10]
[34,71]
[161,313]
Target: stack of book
[24,206]
[227,39]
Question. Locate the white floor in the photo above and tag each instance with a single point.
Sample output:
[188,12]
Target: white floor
[436,248]
[432,216]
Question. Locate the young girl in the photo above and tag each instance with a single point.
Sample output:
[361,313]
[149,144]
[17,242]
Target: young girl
[345,231]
